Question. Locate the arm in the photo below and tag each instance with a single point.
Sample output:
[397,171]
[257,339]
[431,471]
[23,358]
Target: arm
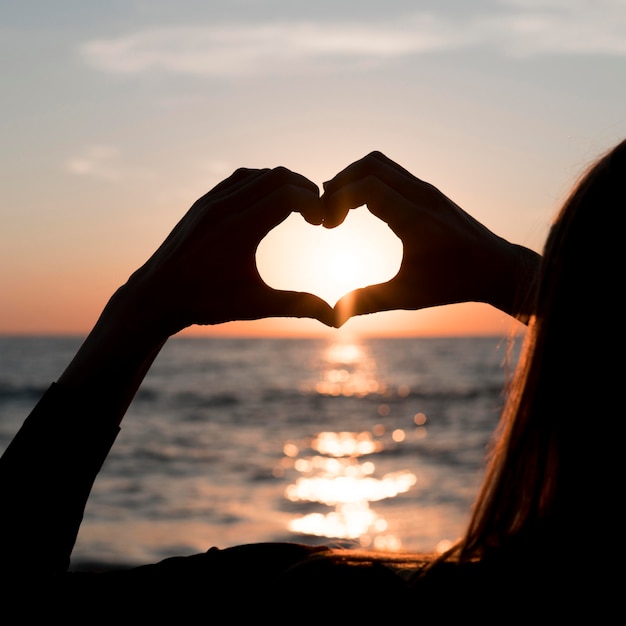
[448,258]
[203,273]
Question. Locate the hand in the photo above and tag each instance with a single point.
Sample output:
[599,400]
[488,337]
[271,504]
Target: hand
[205,271]
[448,256]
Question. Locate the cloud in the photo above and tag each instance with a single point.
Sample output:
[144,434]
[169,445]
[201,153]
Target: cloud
[105,162]
[243,49]
[519,28]
[560,27]
[98,162]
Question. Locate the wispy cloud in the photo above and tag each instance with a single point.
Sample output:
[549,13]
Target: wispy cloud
[104,162]
[540,27]
[248,48]
[518,28]
[98,162]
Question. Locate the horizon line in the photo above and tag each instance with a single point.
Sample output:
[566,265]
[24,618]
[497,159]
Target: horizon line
[250,335]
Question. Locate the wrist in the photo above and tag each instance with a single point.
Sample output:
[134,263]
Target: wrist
[515,288]
[130,318]
[118,351]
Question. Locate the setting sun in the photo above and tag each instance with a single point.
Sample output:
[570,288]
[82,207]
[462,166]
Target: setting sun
[360,252]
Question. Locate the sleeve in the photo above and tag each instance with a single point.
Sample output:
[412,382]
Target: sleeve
[241,582]
[46,475]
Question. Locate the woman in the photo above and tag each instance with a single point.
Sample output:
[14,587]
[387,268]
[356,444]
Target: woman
[205,273]
[555,450]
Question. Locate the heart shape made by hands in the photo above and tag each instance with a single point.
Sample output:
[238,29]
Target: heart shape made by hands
[329,262]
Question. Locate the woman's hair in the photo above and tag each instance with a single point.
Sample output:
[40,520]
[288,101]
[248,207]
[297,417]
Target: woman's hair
[554,477]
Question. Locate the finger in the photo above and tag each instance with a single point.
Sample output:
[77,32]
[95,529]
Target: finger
[268,182]
[375,163]
[374,166]
[371,299]
[312,212]
[299,304]
[269,211]
[383,201]
[309,206]
[238,181]
[245,187]
[385,160]
[336,212]
[236,178]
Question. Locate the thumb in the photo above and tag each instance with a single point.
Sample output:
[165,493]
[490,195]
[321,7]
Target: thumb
[302,304]
[371,299]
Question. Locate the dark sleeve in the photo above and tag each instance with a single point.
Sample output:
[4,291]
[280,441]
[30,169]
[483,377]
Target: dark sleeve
[232,585]
[242,584]
[46,475]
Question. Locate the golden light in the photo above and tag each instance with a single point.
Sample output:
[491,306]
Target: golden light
[338,490]
[335,468]
[336,478]
[346,444]
[347,369]
[329,262]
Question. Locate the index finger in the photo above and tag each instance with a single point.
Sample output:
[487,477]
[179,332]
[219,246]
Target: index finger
[272,209]
[373,166]
[305,195]
[251,189]
[373,162]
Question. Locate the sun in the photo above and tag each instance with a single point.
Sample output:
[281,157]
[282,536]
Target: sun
[345,263]
[329,262]
[347,269]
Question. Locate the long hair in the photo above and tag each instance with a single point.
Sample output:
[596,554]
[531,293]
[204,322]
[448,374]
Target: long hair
[554,476]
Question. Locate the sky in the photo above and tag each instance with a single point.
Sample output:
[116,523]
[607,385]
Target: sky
[116,116]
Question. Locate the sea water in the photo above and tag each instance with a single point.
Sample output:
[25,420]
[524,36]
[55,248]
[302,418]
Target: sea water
[377,443]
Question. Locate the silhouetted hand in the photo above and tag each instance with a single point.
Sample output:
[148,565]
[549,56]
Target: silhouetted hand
[205,271]
[448,256]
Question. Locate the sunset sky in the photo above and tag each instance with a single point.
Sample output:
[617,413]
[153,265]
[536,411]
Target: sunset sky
[117,115]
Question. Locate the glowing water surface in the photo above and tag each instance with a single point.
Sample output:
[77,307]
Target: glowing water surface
[337,469]
[373,442]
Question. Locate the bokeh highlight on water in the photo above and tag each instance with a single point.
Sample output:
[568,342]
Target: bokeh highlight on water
[377,443]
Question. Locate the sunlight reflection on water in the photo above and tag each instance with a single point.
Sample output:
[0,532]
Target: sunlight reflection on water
[347,370]
[334,468]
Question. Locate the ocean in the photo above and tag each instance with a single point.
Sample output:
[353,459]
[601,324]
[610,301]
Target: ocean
[377,443]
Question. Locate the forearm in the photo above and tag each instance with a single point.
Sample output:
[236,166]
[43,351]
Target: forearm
[115,357]
[46,475]
[203,273]
[513,288]
[48,470]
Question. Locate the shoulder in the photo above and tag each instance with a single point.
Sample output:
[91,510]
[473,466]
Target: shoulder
[267,579]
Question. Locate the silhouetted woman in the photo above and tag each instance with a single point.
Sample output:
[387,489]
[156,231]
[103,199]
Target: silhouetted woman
[546,525]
